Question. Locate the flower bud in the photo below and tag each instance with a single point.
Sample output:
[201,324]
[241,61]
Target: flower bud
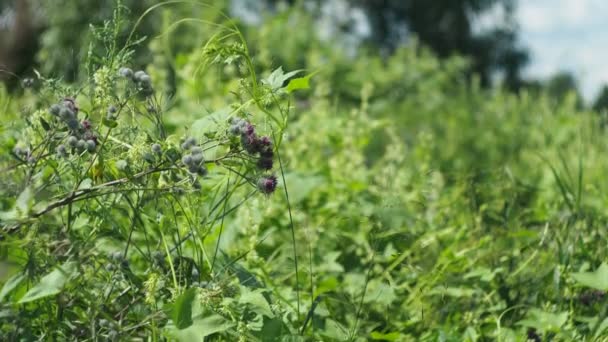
[267,184]
[157,149]
[90,145]
[125,72]
[72,141]
[55,109]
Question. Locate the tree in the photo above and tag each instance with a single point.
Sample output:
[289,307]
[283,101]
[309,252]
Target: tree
[561,85]
[601,101]
[449,27]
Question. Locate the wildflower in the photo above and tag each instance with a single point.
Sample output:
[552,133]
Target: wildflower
[267,184]
[86,124]
[70,103]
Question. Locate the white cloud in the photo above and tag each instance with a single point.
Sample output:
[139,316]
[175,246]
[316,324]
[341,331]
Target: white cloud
[567,35]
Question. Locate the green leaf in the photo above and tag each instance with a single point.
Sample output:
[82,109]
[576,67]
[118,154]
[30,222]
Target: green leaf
[25,201]
[45,124]
[11,284]
[201,328]
[544,321]
[597,280]
[256,302]
[109,122]
[278,77]
[182,309]
[393,336]
[209,124]
[300,83]
[51,284]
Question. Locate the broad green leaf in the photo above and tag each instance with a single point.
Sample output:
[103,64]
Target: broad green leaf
[109,122]
[201,328]
[452,292]
[278,77]
[335,330]
[182,309]
[11,284]
[601,328]
[256,301]
[544,321]
[393,336]
[25,201]
[300,83]
[380,293]
[302,185]
[209,123]
[51,284]
[597,280]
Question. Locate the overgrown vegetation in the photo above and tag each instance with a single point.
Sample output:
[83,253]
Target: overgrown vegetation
[256,184]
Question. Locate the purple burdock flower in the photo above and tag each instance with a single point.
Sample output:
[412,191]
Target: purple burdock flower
[267,184]
[69,103]
[86,124]
[265,163]
[250,142]
[249,129]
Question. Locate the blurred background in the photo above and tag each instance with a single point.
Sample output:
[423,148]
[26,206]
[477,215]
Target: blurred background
[557,46]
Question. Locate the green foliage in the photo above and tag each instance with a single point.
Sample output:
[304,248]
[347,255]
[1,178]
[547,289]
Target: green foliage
[409,204]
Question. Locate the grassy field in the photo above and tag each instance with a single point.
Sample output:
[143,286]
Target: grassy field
[257,184]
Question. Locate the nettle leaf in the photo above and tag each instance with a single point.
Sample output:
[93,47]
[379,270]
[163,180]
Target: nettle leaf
[208,126]
[110,123]
[200,328]
[300,83]
[544,321]
[393,336]
[256,302]
[11,284]
[597,280]
[25,201]
[182,309]
[51,284]
[278,77]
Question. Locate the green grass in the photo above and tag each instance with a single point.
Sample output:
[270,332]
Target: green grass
[411,205]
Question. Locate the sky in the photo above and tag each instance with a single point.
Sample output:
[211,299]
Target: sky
[567,35]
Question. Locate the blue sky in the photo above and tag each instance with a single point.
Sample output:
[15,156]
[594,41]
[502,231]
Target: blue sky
[567,35]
